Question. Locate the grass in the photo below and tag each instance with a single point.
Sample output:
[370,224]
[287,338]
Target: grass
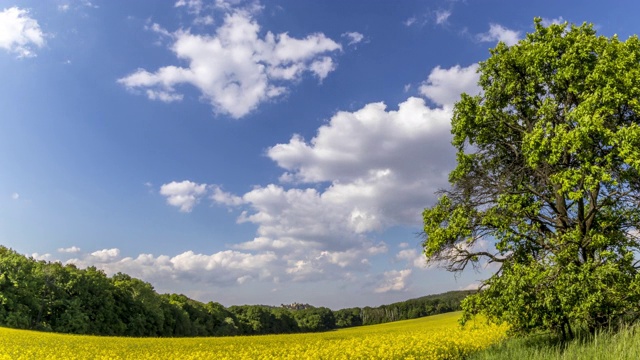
[621,345]
[433,337]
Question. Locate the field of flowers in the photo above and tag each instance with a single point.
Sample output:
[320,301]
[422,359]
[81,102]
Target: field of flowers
[434,337]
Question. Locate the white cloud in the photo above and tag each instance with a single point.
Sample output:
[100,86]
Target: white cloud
[370,145]
[204,20]
[222,197]
[299,215]
[370,157]
[15,196]
[263,243]
[381,172]
[555,21]
[322,67]
[105,255]
[156,28]
[393,280]
[19,33]
[229,260]
[413,258]
[63,7]
[353,37]
[444,86]
[439,17]
[69,250]
[45,257]
[192,5]
[198,7]
[362,173]
[183,194]
[500,33]
[442,16]
[323,265]
[410,21]
[163,96]
[220,268]
[235,69]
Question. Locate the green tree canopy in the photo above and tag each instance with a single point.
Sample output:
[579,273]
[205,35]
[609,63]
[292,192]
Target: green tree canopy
[547,185]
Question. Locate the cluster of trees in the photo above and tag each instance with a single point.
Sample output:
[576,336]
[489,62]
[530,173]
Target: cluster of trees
[63,298]
[260,319]
[547,185]
[404,310]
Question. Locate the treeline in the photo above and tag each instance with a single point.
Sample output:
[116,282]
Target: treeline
[63,298]
[404,310]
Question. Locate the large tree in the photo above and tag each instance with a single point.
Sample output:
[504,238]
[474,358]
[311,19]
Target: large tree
[547,188]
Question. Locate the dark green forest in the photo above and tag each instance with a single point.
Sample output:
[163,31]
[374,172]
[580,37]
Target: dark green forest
[49,296]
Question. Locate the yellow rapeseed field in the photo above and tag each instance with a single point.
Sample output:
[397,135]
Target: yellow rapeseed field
[434,337]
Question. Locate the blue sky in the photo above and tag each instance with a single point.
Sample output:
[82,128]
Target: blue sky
[246,152]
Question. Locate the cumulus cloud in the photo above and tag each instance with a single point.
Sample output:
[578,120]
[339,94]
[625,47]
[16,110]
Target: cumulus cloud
[70,250]
[374,162]
[300,214]
[184,194]
[368,145]
[363,172]
[394,280]
[235,69]
[444,86]
[105,255]
[558,20]
[45,257]
[329,265]
[19,33]
[222,197]
[221,268]
[353,37]
[498,32]
[413,258]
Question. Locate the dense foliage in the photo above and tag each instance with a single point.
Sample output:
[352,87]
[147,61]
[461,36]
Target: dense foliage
[409,309]
[62,298]
[548,172]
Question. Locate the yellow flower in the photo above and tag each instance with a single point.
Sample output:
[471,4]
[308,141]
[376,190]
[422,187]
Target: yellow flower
[434,337]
